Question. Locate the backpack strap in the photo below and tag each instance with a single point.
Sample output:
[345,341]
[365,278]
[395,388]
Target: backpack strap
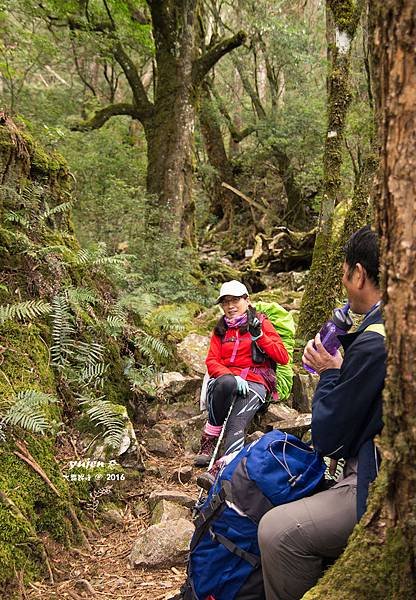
[377,328]
[252,559]
[203,520]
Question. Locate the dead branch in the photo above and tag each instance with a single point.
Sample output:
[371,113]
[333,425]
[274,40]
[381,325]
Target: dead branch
[244,197]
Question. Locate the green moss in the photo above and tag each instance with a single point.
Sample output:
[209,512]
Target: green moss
[26,359]
[42,163]
[18,550]
[41,509]
[345,15]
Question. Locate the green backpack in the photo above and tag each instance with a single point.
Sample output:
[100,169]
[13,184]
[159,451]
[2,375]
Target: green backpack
[283,322]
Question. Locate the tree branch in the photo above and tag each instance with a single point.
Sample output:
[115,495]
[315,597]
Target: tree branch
[249,201]
[142,102]
[260,112]
[236,135]
[103,115]
[203,65]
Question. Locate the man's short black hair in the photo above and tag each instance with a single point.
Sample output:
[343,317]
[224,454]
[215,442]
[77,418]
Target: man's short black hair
[362,247]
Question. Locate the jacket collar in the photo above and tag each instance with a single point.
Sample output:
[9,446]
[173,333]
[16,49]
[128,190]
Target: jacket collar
[372,317]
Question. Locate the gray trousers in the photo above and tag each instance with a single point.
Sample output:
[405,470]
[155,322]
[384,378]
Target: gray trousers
[297,539]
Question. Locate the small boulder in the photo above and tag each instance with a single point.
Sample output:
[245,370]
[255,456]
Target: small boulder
[172,496]
[183,474]
[297,425]
[304,385]
[128,446]
[112,514]
[188,432]
[160,447]
[171,387]
[165,544]
[181,410]
[275,413]
[193,351]
[168,511]
[140,508]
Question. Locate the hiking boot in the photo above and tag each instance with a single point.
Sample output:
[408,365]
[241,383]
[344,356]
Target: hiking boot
[208,443]
[206,480]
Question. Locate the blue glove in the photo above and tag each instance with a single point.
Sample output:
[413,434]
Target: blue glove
[242,385]
[254,329]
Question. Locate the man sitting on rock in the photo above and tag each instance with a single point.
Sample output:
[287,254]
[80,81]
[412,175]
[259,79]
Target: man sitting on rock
[297,539]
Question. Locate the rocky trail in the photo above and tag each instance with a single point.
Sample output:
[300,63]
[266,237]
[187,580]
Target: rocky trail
[138,546]
[142,517]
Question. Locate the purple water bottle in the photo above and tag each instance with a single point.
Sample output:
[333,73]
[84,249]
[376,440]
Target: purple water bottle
[339,323]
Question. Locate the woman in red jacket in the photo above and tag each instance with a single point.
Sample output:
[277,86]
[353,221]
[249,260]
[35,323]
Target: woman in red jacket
[241,364]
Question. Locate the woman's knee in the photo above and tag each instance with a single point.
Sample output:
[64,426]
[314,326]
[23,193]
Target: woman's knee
[225,385]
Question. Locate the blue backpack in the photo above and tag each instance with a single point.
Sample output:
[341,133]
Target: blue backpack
[224,561]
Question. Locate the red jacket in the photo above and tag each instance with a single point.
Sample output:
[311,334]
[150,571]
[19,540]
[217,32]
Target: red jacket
[219,360]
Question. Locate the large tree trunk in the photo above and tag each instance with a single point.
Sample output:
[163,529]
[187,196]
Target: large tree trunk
[170,133]
[380,561]
[319,297]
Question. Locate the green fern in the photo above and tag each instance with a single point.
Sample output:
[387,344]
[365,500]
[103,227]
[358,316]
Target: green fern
[65,206]
[79,297]
[55,249]
[117,320]
[152,348]
[141,379]
[29,410]
[62,331]
[140,302]
[97,257]
[27,310]
[14,217]
[92,375]
[106,415]
[168,319]
[88,354]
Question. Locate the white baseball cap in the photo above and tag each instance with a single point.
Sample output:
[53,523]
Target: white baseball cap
[232,288]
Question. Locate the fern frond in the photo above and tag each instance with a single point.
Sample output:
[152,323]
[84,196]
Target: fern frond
[169,319]
[28,410]
[62,331]
[97,257]
[78,296]
[142,378]
[92,375]
[140,302]
[88,353]
[107,415]
[14,217]
[84,257]
[117,320]
[56,249]
[65,206]
[152,347]
[29,309]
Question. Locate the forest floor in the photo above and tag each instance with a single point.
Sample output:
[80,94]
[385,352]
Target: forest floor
[104,573]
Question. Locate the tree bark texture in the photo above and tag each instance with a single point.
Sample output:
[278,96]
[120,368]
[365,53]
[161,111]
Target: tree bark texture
[379,562]
[319,297]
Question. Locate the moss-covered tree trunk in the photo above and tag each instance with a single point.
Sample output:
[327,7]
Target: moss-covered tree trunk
[168,118]
[319,296]
[380,560]
[170,132]
[221,199]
